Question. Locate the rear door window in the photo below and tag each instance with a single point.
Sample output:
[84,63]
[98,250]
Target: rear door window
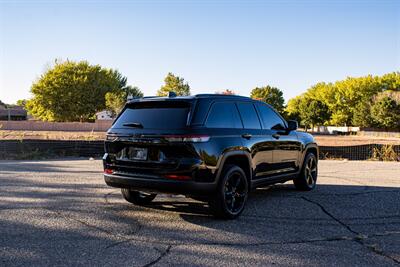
[249,115]
[223,115]
[155,115]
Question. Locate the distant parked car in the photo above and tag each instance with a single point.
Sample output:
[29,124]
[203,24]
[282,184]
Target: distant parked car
[104,115]
[211,147]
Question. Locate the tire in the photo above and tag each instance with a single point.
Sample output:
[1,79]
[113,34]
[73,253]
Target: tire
[307,178]
[137,197]
[231,195]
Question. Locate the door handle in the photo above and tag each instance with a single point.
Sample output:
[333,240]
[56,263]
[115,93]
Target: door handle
[246,135]
[276,136]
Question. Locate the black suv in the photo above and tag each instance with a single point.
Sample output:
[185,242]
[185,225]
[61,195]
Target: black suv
[209,147]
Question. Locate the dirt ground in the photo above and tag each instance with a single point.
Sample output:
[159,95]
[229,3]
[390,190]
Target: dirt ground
[50,135]
[322,140]
[353,140]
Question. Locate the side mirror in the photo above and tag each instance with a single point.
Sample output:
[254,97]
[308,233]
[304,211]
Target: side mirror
[292,125]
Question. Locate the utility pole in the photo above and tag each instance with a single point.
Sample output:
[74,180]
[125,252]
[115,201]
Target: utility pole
[8,112]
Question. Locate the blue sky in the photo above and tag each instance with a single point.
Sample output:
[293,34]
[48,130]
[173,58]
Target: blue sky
[214,45]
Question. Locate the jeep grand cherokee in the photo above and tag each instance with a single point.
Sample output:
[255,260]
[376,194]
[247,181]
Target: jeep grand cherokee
[214,147]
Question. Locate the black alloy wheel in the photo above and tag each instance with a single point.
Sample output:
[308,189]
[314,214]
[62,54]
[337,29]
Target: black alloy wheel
[235,192]
[307,178]
[231,195]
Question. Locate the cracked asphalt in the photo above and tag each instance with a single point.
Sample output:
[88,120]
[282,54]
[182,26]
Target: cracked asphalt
[56,213]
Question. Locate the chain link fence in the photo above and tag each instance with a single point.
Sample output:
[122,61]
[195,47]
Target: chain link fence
[26,149]
[361,152]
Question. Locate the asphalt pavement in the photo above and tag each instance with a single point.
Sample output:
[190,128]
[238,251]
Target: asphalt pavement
[60,213]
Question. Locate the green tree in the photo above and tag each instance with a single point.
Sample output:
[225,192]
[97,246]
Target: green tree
[386,113]
[349,93]
[21,102]
[313,112]
[362,114]
[349,101]
[270,95]
[174,84]
[292,110]
[73,91]
[116,99]
[391,81]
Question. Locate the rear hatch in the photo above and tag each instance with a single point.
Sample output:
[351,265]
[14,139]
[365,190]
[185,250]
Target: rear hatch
[146,138]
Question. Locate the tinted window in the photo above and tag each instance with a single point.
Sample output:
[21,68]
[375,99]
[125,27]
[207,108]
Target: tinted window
[155,115]
[270,119]
[223,115]
[249,116]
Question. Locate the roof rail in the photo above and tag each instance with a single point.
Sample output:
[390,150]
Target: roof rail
[219,95]
[129,98]
[151,96]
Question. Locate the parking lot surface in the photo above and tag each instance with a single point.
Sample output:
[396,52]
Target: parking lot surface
[56,213]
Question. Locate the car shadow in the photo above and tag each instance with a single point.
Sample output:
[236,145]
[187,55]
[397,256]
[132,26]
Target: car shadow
[187,205]
[284,202]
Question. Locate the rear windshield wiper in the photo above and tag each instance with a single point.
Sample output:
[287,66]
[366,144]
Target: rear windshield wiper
[133,124]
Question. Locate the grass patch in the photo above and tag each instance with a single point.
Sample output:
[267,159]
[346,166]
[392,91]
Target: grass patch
[385,153]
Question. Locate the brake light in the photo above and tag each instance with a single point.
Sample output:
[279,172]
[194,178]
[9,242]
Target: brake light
[187,138]
[108,171]
[177,177]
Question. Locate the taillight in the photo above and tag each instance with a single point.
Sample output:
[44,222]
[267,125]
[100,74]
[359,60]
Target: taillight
[187,138]
[108,171]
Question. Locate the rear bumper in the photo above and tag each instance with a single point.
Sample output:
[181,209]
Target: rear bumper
[160,184]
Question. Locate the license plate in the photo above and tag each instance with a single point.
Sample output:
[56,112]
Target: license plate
[137,153]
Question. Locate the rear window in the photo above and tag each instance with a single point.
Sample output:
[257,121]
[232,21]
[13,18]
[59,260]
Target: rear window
[155,115]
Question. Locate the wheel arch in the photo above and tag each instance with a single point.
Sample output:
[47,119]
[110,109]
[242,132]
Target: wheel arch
[310,148]
[239,158]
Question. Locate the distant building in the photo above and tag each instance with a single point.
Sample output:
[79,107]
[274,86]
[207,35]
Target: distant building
[14,113]
[104,115]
